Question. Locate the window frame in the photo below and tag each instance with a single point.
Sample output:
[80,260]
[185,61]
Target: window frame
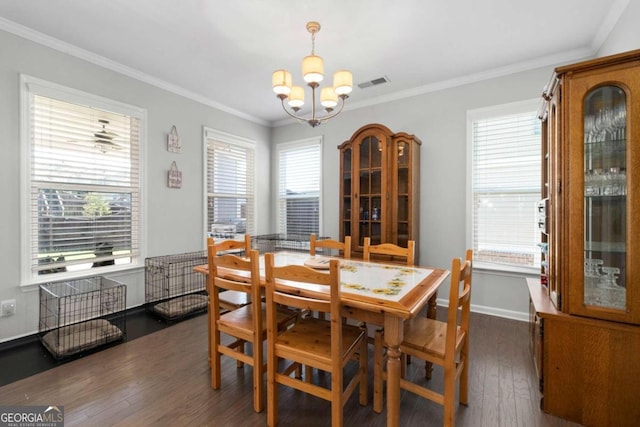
[32,86]
[238,141]
[302,143]
[495,111]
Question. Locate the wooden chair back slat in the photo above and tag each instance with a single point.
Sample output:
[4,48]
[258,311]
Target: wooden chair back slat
[391,250]
[344,248]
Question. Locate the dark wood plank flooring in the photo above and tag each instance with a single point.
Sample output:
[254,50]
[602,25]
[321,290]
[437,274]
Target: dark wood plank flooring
[162,379]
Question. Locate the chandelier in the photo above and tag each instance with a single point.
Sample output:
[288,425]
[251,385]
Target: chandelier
[313,73]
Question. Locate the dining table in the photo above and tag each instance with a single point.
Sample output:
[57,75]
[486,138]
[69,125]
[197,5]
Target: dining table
[377,293]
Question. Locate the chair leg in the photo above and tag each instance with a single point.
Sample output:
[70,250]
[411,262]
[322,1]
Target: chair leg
[449,395]
[404,360]
[209,330]
[240,349]
[308,373]
[272,393]
[215,360]
[464,378]
[336,400]
[364,371]
[378,348]
[258,377]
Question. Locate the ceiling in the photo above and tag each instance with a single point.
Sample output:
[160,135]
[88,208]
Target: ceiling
[222,53]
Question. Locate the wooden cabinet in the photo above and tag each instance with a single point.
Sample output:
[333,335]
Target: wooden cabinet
[586,317]
[588,369]
[379,187]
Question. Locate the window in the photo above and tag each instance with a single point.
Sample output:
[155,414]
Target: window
[299,178]
[505,183]
[81,178]
[230,184]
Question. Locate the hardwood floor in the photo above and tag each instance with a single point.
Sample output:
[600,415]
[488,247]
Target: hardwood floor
[163,379]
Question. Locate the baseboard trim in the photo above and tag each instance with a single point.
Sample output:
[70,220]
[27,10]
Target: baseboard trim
[492,311]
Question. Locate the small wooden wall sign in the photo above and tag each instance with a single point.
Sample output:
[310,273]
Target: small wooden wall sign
[173,141]
[174,176]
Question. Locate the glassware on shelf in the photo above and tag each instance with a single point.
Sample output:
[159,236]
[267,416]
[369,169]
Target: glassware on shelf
[375,214]
[592,182]
[608,124]
[609,276]
[611,183]
[592,271]
[619,122]
[622,177]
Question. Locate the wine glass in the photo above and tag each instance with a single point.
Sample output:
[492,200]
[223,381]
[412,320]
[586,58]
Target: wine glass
[619,122]
[610,274]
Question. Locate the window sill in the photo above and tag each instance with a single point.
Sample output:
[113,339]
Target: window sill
[507,270]
[111,271]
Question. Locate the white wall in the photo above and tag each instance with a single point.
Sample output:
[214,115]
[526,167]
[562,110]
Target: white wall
[174,220]
[625,35]
[439,119]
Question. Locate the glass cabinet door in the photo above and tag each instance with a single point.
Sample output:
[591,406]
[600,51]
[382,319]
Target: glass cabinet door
[370,185]
[346,192]
[401,156]
[605,198]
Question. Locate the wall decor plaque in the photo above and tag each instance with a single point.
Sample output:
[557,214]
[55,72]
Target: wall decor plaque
[174,176]
[173,141]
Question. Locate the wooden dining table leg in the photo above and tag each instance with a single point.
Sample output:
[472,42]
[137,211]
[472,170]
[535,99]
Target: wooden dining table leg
[394,334]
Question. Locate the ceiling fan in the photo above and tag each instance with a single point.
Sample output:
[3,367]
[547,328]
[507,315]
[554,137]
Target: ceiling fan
[104,139]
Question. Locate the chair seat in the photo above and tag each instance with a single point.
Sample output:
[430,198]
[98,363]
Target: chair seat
[427,336]
[241,319]
[232,300]
[310,339]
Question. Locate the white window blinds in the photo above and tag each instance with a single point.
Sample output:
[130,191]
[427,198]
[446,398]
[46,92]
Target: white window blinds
[84,198]
[230,188]
[299,178]
[506,189]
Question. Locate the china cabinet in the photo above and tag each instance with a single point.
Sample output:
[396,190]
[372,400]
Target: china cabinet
[585,310]
[379,187]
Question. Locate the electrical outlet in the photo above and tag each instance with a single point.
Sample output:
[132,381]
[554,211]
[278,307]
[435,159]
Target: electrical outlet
[7,307]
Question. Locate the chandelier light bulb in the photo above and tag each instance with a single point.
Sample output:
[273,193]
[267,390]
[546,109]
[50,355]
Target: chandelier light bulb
[281,82]
[328,97]
[312,69]
[296,97]
[343,82]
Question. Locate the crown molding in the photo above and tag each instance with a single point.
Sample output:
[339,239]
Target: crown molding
[546,61]
[72,50]
[608,24]
[551,60]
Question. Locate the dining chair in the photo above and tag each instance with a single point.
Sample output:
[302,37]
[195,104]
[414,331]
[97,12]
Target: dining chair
[343,248]
[442,343]
[395,253]
[391,250]
[330,247]
[230,300]
[326,345]
[245,324]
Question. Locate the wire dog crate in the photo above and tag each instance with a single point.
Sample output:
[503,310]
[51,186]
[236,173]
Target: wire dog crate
[172,289]
[281,242]
[82,314]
